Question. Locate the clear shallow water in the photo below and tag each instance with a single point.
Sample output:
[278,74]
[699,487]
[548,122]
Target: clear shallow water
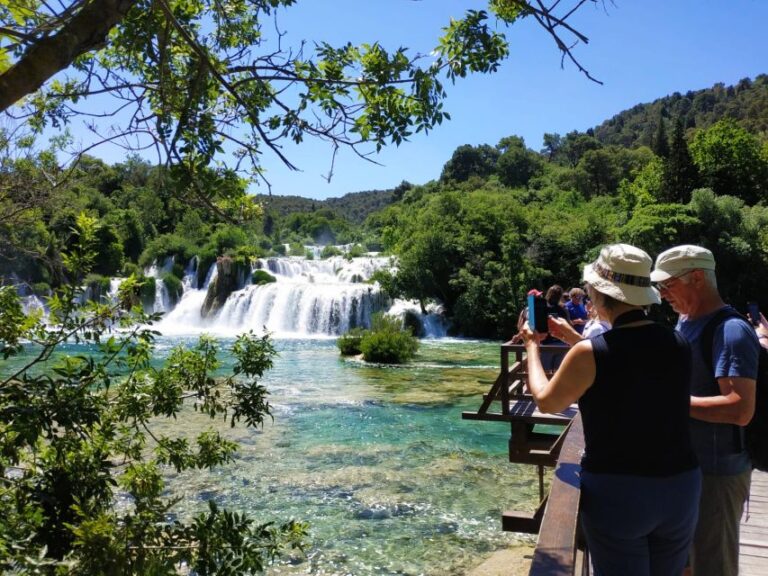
[376,458]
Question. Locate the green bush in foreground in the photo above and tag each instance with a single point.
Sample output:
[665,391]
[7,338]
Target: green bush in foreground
[349,343]
[78,429]
[387,341]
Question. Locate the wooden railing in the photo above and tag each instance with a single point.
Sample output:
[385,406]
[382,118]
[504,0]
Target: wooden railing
[558,551]
[556,518]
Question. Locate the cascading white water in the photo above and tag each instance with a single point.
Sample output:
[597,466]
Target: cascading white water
[433,323]
[316,297]
[309,298]
[162,302]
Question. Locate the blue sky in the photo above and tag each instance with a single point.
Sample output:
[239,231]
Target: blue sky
[640,49]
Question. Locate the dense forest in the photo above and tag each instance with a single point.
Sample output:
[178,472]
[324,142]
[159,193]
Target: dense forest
[499,219]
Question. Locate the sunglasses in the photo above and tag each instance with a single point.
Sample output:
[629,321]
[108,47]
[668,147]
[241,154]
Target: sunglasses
[667,284]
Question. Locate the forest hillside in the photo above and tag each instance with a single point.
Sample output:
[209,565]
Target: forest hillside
[498,218]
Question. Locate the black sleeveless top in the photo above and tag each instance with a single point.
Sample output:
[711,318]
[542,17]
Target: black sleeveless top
[636,413]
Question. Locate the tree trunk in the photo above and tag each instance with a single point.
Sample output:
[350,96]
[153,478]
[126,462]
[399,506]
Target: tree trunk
[84,32]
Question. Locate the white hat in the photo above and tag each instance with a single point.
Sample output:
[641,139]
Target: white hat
[679,259]
[623,272]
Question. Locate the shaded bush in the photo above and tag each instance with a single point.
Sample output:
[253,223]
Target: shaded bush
[147,291]
[356,251]
[41,289]
[387,341]
[329,251]
[260,277]
[130,269]
[349,343]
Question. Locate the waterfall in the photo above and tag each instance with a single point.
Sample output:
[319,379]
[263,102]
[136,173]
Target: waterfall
[162,302]
[162,298]
[186,316]
[433,324]
[309,298]
[301,308]
[316,297]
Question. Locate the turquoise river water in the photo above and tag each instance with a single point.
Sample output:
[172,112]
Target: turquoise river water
[376,458]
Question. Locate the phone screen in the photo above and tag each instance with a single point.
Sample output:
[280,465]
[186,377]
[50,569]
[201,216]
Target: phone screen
[754,313]
[537,314]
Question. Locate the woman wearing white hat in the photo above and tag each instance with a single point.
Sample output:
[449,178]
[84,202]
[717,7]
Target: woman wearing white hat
[640,480]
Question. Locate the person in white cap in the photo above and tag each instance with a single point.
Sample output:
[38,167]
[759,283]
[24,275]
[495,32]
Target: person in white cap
[722,401]
[640,481]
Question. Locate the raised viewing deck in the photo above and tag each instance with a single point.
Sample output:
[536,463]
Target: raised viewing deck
[560,550]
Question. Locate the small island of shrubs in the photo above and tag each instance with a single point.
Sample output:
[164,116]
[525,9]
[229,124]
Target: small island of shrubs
[386,341]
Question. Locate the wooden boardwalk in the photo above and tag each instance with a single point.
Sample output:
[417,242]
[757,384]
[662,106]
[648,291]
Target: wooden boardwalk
[753,553]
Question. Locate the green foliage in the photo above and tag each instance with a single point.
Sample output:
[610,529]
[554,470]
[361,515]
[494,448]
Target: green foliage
[260,277]
[353,207]
[77,428]
[349,343]
[355,251]
[146,287]
[468,161]
[697,109]
[517,165]
[731,162]
[681,176]
[656,227]
[109,258]
[330,252]
[387,341]
[166,246]
[226,239]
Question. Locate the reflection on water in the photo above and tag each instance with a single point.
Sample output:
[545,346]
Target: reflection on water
[376,458]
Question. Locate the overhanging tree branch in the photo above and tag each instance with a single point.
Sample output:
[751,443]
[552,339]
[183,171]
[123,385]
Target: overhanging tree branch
[86,31]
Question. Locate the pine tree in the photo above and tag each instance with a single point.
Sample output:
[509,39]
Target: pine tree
[660,144]
[680,173]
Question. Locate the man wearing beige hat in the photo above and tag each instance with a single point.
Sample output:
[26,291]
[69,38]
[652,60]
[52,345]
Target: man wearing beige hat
[722,401]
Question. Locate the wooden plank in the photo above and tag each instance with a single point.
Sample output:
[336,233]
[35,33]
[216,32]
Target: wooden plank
[753,536]
[524,411]
[524,522]
[555,553]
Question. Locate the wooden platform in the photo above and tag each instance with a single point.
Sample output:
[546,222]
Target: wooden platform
[753,553]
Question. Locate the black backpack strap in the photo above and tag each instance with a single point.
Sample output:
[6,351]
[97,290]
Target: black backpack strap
[682,341]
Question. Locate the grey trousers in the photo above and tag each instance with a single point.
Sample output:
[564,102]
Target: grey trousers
[715,548]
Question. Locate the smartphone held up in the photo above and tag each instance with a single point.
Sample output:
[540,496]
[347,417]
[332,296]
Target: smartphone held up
[754,313]
[537,314]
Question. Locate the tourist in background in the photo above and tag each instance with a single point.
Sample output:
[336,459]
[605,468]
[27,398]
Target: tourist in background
[551,359]
[722,401]
[640,483]
[561,329]
[577,310]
